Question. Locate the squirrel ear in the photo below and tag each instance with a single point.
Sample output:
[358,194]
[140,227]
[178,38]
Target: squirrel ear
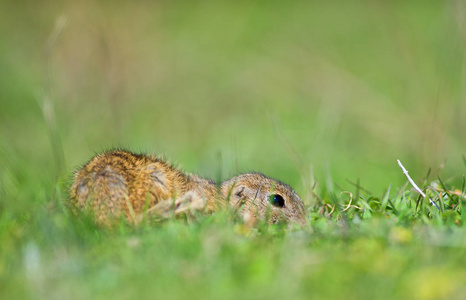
[235,192]
[238,191]
[237,195]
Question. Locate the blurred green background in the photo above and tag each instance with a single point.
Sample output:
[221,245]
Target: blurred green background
[339,88]
[304,91]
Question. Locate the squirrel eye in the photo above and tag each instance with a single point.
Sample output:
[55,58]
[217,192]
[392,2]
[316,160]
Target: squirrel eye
[277,200]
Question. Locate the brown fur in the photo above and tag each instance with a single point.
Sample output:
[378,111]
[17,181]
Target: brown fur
[120,182]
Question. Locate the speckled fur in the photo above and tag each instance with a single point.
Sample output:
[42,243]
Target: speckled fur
[120,182]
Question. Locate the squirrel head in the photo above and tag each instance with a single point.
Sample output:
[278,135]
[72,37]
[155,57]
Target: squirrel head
[257,196]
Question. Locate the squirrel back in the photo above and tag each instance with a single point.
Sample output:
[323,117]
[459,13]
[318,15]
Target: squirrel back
[118,181]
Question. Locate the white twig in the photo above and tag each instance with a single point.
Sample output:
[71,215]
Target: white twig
[410,180]
[415,185]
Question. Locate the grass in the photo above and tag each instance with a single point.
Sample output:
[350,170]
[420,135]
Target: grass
[324,95]
[359,247]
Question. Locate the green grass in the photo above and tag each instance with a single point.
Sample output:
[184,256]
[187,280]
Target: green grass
[324,95]
[395,246]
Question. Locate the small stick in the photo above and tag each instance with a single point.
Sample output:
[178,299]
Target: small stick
[415,185]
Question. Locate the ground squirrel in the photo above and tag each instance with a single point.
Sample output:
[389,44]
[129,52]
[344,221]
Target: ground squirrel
[120,182]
